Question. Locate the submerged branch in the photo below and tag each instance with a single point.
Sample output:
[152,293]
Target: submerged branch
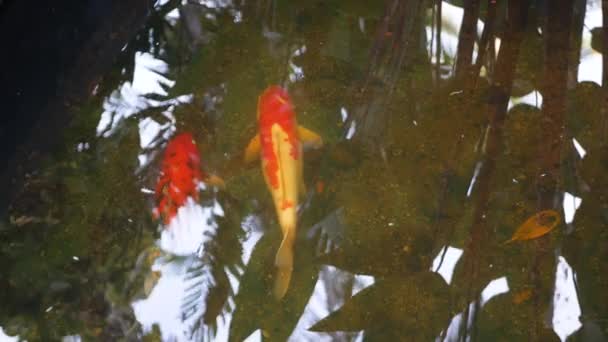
[438,41]
[604,110]
[484,43]
[499,94]
[554,90]
[394,48]
[466,38]
[555,84]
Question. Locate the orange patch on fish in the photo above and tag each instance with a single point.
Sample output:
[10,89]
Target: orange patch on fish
[286,205]
[274,107]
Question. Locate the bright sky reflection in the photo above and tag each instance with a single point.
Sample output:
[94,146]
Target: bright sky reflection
[322,303]
[450,259]
[5,338]
[566,309]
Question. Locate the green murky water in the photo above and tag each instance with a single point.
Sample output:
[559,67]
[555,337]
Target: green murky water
[432,159]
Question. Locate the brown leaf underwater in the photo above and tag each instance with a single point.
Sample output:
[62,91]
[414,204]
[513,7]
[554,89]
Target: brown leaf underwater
[536,226]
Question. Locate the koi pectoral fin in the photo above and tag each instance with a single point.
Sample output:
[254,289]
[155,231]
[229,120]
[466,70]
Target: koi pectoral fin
[309,138]
[252,152]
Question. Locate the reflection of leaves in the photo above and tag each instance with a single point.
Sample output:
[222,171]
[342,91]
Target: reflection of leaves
[536,226]
[400,254]
[403,306]
[253,302]
[597,38]
[211,288]
[151,38]
[255,306]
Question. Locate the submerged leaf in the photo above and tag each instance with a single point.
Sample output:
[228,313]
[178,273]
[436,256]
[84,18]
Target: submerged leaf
[536,226]
[393,308]
[522,296]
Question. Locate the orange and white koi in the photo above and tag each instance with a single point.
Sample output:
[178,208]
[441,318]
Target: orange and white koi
[279,146]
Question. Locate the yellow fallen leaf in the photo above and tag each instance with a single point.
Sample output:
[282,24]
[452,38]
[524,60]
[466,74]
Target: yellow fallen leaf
[536,226]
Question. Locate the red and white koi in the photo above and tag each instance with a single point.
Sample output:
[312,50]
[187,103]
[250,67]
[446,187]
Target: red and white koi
[279,146]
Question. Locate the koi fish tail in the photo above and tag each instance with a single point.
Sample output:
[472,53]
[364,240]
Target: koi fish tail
[284,264]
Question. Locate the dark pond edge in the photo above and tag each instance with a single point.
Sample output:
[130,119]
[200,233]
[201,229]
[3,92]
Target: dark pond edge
[55,52]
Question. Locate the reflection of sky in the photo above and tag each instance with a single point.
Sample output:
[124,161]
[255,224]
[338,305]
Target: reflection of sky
[566,309]
[189,229]
[590,68]
[164,304]
[318,305]
[570,204]
[590,64]
[579,148]
[183,236]
[494,288]
[131,98]
[448,264]
[533,98]
[5,338]
[451,19]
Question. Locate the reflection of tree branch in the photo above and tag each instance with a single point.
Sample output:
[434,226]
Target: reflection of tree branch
[554,99]
[576,36]
[486,34]
[395,43]
[555,82]
[604,110]
[499,93]
[438,42]
[466,38]
[219,257]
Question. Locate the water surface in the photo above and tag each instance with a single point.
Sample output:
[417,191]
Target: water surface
[445,127]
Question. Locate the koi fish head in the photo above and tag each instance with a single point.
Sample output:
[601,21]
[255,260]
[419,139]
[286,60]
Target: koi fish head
[179,176]
[274,105]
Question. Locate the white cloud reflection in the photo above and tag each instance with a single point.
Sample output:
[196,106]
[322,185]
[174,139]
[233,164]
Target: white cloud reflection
[533,98]
[579,148]
[185,234]
[322,303]
[451,20]
[189,229]
[566,309]
[590,67]
[5,338]
[131,98]
[494,288]
[570,205]
[446,267]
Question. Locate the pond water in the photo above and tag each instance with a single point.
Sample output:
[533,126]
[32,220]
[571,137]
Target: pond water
[446,128]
